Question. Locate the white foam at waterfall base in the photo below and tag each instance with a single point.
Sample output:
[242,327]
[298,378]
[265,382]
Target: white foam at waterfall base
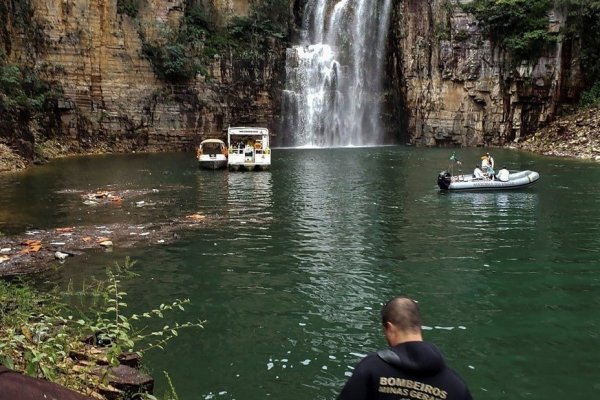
[333,78]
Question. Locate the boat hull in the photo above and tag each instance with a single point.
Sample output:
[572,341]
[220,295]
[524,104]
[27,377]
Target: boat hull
[212,163]
[248,149]
[466,183]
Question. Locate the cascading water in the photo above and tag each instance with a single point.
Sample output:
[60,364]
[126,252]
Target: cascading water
[333,78]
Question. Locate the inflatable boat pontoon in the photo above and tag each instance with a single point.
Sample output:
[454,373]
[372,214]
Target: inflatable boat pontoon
[516,180]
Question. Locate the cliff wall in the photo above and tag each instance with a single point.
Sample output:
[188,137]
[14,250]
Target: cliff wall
[456,88]
[447,84]
[113,100]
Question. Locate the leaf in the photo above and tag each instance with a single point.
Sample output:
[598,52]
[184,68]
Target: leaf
[31,369]
[7,361]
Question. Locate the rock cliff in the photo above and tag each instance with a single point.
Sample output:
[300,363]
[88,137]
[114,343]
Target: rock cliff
[456,88]
[447,84]
[113,99]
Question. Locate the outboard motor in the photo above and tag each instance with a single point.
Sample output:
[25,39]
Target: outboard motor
[444,180]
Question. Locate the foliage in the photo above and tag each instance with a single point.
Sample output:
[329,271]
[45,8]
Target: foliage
[518,26]
[583,24]
[591,97]
[22,91]
[180,55]
[171,61]
[37,331]
[521,27]
[462,35]
[128,7]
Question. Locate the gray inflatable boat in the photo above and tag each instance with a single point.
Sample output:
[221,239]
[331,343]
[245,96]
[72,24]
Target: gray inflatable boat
[516,180]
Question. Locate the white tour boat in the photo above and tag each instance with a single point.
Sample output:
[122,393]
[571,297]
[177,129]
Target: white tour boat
[212,154]
[248,149]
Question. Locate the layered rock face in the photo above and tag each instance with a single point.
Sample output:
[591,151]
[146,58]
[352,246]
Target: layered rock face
[446,84]
[113,100]
[457,89]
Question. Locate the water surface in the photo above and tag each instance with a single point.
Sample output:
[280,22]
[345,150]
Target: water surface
[296,263]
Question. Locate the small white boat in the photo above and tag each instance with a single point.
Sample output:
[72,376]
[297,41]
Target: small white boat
[248,149]
[212,154]
[516,180]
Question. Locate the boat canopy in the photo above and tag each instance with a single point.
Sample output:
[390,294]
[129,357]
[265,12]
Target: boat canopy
[219,141]
[248,131]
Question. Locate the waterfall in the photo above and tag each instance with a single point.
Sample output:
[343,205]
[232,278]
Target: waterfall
[333,86]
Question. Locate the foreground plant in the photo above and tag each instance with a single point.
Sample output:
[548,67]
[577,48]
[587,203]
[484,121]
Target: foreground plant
[39,332]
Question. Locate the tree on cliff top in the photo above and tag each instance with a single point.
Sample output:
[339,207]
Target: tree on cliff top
[518,26]
[521,28]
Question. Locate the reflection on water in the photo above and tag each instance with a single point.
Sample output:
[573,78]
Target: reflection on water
[293,264]
[250,197]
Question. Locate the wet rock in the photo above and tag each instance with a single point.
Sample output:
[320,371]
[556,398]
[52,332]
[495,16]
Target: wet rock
[128,381]
[575,135]
[60,256]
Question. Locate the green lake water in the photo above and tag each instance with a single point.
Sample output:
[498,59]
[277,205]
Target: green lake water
[295,263]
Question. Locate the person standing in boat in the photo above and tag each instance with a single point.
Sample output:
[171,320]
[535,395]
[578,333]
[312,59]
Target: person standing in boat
[487,166]
[490,160]
[410,369]
[487,161]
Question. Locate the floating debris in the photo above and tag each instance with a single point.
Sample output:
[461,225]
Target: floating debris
[60,256]
[196,217]
[31,246]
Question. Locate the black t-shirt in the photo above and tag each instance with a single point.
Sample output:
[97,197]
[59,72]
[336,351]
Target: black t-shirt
[411,371]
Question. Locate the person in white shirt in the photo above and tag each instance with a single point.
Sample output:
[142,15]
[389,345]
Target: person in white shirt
[477,172]
[503,175]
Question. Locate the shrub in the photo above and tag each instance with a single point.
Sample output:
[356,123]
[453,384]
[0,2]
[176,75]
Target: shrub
[518,26]
[38,330]
[179,56]
[591,97]
[128,7]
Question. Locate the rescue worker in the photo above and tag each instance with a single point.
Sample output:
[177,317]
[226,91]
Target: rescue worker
[409,369]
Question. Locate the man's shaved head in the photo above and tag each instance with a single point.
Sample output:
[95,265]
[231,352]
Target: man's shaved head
[403,313]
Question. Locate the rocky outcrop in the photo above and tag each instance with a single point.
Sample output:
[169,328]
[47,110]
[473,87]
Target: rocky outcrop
[576,135]
[112,98]
[458,89]
[447,84]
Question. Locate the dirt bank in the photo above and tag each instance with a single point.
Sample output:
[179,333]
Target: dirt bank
[9,160]
[576,135]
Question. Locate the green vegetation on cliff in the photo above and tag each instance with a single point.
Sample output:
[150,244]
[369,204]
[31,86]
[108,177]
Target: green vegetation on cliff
[518,26]
[521,27]
[129,7]
[180,54]
[583,25]
[22,91]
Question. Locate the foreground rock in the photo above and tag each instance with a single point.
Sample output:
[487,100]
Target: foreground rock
[576,135]
[16,386]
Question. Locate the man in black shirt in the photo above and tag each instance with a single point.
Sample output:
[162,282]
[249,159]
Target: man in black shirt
[410,369]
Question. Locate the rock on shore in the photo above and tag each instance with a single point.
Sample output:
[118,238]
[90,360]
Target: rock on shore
[9,160]
[576,135]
